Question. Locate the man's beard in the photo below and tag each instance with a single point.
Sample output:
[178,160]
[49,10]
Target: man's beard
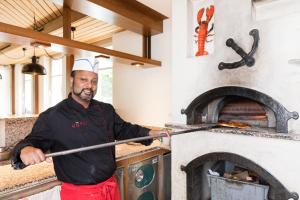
[83,96]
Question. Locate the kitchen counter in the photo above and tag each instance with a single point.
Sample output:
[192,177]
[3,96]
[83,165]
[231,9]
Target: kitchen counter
[15,128]
[253,131]
[14,179]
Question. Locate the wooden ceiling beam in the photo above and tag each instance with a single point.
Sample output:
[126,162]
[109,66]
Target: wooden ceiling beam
[49,27]
[128,14]
[58,22]
[22,36]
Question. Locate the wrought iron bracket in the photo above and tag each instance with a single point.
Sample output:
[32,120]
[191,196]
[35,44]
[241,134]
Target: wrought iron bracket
[247,59]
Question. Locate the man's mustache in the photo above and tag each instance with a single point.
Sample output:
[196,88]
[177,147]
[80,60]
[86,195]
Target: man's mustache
[85,89]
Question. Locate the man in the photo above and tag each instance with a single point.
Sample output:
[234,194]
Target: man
[75,122]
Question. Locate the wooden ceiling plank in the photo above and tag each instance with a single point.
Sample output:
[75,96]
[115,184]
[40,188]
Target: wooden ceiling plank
[4,12]
[105,40]
[84,28]
[24,36]
[58,22]
[32,7]
[128,14]
[47,9]
[39,12]
[54,9]
[28,12]
[15,6]
[92,32]
[28,6]
[46,14]
[102,36]
[78,28]
[85,21]
[59,10]
[4,18]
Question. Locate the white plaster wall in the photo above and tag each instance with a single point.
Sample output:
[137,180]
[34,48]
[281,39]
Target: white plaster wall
[272,75]
[19,91]
[44,97]
[269,153]
[140,95]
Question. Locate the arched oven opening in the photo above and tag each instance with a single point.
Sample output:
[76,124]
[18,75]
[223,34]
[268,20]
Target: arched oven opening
[238,105]
[238,109]
[201,174]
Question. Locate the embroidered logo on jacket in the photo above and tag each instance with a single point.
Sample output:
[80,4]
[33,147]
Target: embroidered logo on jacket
[79,124]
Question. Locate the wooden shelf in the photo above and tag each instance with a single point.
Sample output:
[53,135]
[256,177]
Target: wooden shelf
[22,36]
[128,14]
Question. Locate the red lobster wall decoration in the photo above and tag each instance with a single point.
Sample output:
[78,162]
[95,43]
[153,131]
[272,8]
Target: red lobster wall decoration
[201,30]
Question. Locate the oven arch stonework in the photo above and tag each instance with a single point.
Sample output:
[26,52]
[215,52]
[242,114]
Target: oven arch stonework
[282,115]
[192,169]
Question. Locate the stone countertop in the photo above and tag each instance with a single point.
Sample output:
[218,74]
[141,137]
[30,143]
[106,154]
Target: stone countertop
[14,129]
[11,178]
[18,116]
[253,131]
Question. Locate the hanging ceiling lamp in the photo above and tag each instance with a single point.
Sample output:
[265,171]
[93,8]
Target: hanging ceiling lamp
[34,68]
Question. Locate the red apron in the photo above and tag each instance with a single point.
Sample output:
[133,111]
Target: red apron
[107,190]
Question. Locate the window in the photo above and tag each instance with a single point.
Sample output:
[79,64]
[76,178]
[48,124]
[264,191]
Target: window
[56,82]
[5,88]
[104,92]
[28,94]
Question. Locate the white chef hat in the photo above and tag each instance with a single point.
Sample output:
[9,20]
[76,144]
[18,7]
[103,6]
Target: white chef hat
[87,64]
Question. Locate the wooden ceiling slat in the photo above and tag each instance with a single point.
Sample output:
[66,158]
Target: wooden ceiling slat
[12,18]
[97,34]
[82,21]
[92,30]
[78,27]
[32,7]
[58,9]
[88,27]
[19,10]
[104,34]
[50,6]
[39,11]
[50,12]
[10,12]
[102,38]
[29,13]
[3,17]
[45,13]
[27,6]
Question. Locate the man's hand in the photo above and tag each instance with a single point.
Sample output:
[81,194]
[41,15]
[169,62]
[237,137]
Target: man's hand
[160,132]
[31,155]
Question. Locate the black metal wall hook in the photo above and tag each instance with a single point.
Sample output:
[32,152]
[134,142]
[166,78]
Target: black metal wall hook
[247,59]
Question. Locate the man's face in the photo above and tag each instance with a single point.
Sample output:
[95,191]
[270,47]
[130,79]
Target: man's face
[84,85]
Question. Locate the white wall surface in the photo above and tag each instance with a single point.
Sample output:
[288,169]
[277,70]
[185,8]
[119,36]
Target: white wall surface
[143,95]
[272,75]
[5,89]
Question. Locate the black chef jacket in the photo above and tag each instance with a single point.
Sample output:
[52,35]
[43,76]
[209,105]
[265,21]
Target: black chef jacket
[69,125]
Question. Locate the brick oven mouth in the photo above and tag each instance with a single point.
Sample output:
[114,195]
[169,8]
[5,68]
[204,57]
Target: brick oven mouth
[247,108]
[240,105]
[198,178]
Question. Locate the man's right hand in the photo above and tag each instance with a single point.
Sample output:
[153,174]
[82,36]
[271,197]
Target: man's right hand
[31,155]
